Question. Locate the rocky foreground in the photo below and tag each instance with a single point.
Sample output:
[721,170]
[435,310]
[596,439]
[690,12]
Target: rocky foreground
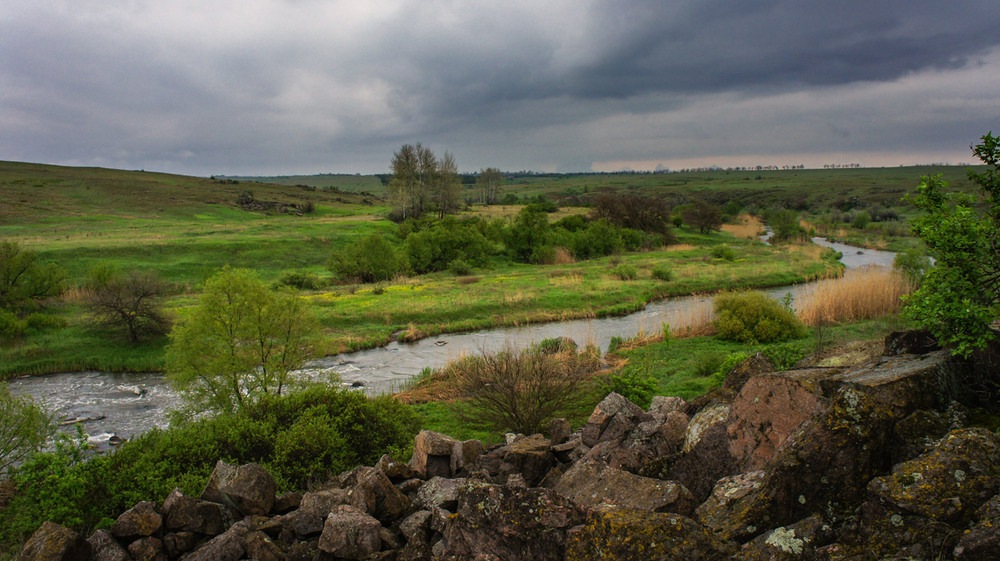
[870,462]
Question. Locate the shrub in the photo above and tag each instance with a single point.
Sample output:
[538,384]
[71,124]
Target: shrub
[373,259]
[726,366]
[614,343]
[663,272]
[638,388]
[434,248]
[707,364]
[131,302]
[913,264]
[724,252]
[40,322]
[753,317]
[300,280]
[599,239]
[11,326]
[459,268]
[625,272]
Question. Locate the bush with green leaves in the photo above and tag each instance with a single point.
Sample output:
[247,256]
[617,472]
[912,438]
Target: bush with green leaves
[599,239]
[708,363]
[663,272]
[372,259]
[459,267]
[753,317]
[447,240]
[300,280]
[526,234]
[625,272]
[637,387]
[24,281]
[24,428]
[726,366]
[724,252]
[960,295]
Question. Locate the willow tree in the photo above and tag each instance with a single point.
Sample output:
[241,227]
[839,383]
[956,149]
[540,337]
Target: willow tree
[240,342]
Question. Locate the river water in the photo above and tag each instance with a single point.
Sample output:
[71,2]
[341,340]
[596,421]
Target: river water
[129,404]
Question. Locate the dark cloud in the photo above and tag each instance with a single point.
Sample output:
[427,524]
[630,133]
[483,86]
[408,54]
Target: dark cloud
[299,86]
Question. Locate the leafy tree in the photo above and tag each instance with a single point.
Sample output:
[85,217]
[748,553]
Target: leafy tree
[241,342]
[24,282]
[960,294]
[373,259]
[784,225]
[24,428]
[447,188]
[527,234]
[703,216]
[132,301]
[448,240]
[489,182]
[648,214]
[421,182]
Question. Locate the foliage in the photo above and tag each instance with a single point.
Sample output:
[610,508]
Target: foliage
[527,234]
[624,272]
[599,239]
[637,212]
[132,301]
[960,294]
[447,240]
[785,225]
[24,428]
[703,215]
[726,366]
[522,390]
[300,439]
[753,317]
[708,363]
[24,281]
[724,252]
[372,259]
[663,272]
[242,341]
[913,264]
[637,387]
[489,182]
[300,280]
[459,267]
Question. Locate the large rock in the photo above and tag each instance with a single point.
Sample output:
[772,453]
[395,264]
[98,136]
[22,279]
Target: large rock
[982,541]
[465,453]
[530,457]
[146,548]
[510,523]
[227,546]
[702,421]
[788,543]
[104,547]
[593,483]
[717,510]
[612,419]
[373,493]
[52,542]
[136,522]
[756,365]
[906,382]
[636,535]
[260,547]
[187,514]
[766,411]
[948,483]
[825,466]
[439,492]
[249,488]
[709,461]
[432,454]
[350,534]
[914,341]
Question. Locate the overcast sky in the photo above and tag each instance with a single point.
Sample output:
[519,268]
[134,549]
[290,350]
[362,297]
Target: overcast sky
[310,86]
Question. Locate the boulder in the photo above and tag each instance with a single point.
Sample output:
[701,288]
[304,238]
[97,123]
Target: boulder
[702,420]
[756,365]
[613,418]
[465,453]
[52,542]
[948,483]
[637,535]
[592,483]
[716,510]
[227,546]
[439,492]
[825,466]
[350,534]
[137,522]
[906,382]
[287,502]
[147,548]
[766,411]
[432,454]
[614,454]
[394,469]
[103,547]
[509,523]
[982,541]
[416,527]
[788,543]
[709,461]
[176,544]
[530,457]
[183,513]
[260,547]
[374,493]
[559,431]
[249,488]
[661,406]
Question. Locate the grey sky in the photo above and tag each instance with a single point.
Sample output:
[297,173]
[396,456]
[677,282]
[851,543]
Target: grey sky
[303,86]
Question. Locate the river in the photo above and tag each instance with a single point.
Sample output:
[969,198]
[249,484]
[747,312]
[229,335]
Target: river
[129,404]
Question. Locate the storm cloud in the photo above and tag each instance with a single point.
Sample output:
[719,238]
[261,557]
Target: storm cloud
[303,86]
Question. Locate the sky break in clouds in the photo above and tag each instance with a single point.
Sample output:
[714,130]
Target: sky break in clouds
[305,86]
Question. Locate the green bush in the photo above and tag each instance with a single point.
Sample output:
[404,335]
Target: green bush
[638,388]
[726,366]
[599,239]
[459,267]
[614,343]
[753,317]
[11,326]
[724,252]
[373,259]
[662,272]
[448,240]
[625,272]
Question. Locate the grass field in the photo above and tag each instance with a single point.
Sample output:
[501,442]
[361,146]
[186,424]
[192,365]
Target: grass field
[186,228]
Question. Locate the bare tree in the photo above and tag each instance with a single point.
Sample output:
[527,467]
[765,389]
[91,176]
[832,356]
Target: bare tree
[704,216]
[447,188]
[132,302]
[490,180]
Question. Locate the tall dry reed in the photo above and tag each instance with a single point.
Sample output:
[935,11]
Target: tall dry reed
[865,293]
